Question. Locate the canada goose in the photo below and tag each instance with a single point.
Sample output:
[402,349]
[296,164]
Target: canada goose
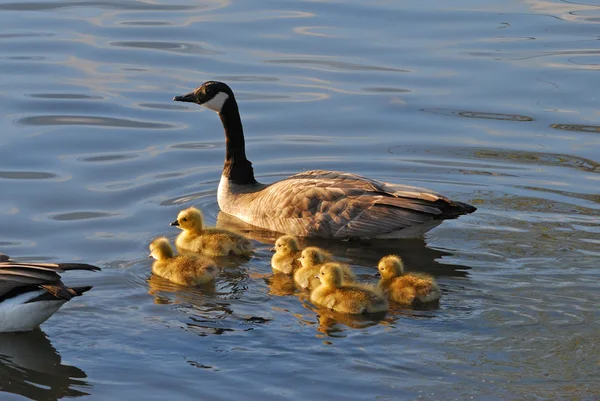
[32,292]
[407,289]
[286,255]
[318,203]
[208,241]
[352,298]
[188,269]
[311,259]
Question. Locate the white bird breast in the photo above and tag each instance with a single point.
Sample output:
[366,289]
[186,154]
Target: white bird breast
[217,102]
[18,315]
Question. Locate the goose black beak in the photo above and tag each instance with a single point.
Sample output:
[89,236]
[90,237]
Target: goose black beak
[150,256]
[175,223]
[272,249]
[377,275]
[188,97]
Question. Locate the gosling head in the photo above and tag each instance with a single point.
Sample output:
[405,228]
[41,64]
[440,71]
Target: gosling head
[286,245]
[189,219]
[390,266]
[331,274]
[213,95]
[312,256]
[160,249]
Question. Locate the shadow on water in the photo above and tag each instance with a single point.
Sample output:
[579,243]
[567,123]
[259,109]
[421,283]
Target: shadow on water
[367,253]
[31,367]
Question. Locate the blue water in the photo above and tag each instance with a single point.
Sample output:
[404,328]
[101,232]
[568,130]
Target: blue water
[491,103]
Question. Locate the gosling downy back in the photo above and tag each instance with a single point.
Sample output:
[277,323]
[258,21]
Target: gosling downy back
[318,203]
[32,292]
[188,269]
[406,288]
[351,298]
[208,241]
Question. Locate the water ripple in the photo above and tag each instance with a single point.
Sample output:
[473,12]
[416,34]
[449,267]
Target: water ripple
[114,5]
[185,48]
[26,175]
[81,216]
[478,114]
[332,64]
[112,122]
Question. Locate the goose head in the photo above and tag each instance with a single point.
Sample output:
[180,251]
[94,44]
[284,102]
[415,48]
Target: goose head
[390,266]
[312,256]
[211,94]
[286,245]
[331,275]
[189,219]
[160,249]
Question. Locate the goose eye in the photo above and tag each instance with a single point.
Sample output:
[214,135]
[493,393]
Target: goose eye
[184,219]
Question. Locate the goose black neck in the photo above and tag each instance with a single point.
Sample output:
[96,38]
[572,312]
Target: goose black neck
[237,168]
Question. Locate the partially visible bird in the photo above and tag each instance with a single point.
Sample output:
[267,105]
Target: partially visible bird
[31,292]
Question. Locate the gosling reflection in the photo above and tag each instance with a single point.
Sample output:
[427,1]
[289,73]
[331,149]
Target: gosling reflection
[281,285]
[31,367]
[332,323]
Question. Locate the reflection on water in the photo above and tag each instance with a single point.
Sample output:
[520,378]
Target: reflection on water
[31,367]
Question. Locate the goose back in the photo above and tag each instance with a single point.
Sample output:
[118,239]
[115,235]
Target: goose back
[333,204]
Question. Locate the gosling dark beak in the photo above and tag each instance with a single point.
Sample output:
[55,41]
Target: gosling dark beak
[272,249]
[317,276]
[188,97]
[377,274]
[175,223]
[150,256]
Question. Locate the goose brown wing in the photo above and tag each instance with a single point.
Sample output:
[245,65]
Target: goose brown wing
[338,205]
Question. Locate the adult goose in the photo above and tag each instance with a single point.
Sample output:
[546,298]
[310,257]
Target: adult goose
[318,203]
[31,292]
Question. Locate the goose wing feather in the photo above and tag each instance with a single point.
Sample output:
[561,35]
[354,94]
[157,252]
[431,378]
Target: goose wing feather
[22,274]
[338,205]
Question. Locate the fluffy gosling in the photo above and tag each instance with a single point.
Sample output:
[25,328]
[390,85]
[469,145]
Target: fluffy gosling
[286,255]
[181,269]
[208,241]
[342,297]
[311,259]
[407,289]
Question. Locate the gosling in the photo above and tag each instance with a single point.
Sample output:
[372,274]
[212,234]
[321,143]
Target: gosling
[208,241]
[311,259]
[187,269]
[286,255]
[407,289]
[350,298]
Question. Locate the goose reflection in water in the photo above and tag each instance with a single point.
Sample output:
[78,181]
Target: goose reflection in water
[367,253]
[32,368]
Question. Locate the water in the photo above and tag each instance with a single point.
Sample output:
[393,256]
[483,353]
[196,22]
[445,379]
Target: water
[491,103]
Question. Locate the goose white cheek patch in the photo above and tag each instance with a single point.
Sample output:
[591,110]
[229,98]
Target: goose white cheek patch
[217,102]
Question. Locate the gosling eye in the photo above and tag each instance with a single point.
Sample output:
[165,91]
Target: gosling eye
[184,219]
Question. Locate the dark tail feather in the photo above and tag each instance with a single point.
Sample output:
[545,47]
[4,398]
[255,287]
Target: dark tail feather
[455,209]
[78,266]
[465,208]
[80,290]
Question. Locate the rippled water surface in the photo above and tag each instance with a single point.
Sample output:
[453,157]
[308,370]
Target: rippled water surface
[494,103]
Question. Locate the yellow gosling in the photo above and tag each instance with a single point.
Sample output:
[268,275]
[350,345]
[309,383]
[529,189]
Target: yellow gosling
[208,241]
[351,298]
[286,255]
[311,259]
[181,269]
[407,289]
